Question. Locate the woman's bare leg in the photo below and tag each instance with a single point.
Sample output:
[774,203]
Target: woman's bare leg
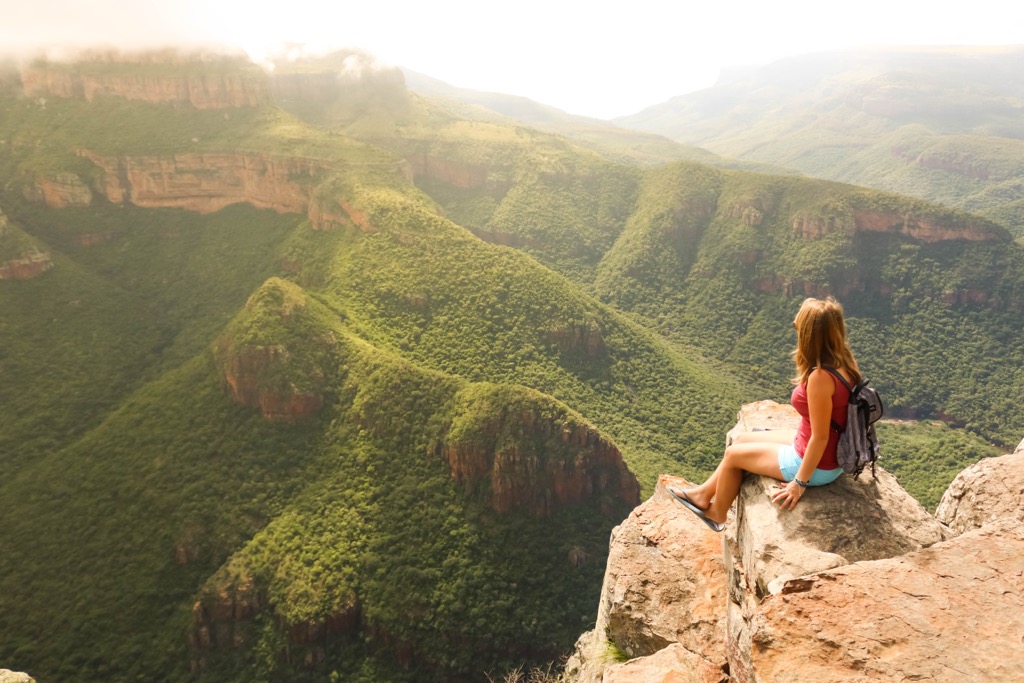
[759,458]
[702,495]
[767,436]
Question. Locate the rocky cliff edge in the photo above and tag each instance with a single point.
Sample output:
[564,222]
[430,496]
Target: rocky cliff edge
[858,583]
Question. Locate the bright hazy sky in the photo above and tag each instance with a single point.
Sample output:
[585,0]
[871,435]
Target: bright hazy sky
[595,58]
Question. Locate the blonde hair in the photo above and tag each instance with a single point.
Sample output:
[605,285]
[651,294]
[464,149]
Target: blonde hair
[821,339]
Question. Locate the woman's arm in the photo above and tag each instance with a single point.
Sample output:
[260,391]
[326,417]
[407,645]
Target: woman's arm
[820,387]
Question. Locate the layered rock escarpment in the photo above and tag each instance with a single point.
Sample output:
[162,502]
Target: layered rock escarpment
[209,182]
[918,227]
[20,257]
[58,191]
[202,83]
[519,449]
[858,583]
[272,358]
[223,614]
[447,171]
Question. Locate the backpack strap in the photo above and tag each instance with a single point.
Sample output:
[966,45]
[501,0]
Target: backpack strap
[835,373]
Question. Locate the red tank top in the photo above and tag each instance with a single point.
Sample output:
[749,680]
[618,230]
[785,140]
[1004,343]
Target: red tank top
[840,401]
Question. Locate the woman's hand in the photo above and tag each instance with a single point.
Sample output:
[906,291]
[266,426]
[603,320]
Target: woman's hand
[788,496]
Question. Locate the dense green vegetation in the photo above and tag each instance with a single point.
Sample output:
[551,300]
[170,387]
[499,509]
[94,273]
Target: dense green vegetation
[925,456]
[943,125]
[153,422]
[237,442]
[711,258]
[107,318]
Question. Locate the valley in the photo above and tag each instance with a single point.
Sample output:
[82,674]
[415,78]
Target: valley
[308,378]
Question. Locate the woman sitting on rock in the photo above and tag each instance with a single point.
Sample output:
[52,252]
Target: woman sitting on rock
[806,457]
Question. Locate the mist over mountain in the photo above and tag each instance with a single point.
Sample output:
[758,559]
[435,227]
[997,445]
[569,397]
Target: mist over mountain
[334,372]
[943,124]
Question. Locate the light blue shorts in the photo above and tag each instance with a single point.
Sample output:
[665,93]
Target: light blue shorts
[789,463]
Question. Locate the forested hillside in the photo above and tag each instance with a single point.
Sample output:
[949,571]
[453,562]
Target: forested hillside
[316,379]
[713,258]
[943,124]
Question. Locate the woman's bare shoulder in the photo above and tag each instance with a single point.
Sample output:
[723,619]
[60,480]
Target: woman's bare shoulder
[820,380]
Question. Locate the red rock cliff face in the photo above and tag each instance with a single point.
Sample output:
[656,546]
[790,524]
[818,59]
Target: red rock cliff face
[245,372]
[566,463]
[925,229]
[221,620]
[447,171]
[208,182]
[28,262]
[202,91]
[26,267]
[579,337]
[58,191]
[282,377]
[920,228]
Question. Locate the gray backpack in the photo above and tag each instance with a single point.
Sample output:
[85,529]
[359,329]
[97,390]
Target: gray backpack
[858,445]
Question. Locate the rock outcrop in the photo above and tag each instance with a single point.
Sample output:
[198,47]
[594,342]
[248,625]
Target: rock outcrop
[673,664]
[586,338]
[984,492]
[208,182]
[222,619]
[857,583]
[519,449]
[950,612]
[58,191]
[8,676]
[199,82]
[273,356]
[920,228]
[26,267]
[447,171]
[20,256]
[664,588]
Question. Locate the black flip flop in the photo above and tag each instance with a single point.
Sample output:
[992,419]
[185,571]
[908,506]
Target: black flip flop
[692,507]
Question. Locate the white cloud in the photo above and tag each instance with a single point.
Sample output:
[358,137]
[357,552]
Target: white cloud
[591,58]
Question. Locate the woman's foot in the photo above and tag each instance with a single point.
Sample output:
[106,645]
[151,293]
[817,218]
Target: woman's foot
[681,496]
[692,496]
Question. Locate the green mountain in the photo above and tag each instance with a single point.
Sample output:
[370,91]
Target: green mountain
[279,485]
[308,377]
[943,124]
[616,143]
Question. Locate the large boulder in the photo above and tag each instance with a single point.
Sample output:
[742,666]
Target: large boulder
[673,664]
[845,522]
[858,583]
[8,676]
[664,585]
[988,490]
[950,612]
